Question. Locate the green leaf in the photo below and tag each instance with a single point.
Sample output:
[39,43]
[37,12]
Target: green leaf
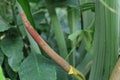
[39,18]
[3,25]
[1,74]
[38,68]
[61,74]
[88,39]
[7,79]
[8,71]
[12,48]
[89,35]
[74,35]
[26,7]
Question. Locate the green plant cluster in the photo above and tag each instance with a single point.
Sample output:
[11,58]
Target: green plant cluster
[83,32]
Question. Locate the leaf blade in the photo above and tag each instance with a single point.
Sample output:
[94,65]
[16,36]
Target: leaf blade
[39,68]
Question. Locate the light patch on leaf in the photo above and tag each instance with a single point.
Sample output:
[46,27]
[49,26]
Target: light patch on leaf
[74,35]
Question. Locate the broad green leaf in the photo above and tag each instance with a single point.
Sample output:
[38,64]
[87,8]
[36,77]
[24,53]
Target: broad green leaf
[3,25]
[26,8]
[1,74]
[61,74]
[12,48]
[37,67]
[1,57]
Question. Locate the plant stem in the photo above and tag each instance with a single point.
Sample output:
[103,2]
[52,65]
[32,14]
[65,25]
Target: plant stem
[49,51]
[105,43]
[115,75]
[57,29]
[73,20]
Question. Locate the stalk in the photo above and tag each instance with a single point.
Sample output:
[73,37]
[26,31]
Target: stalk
[105,41]
[44,45]
[115,75]
[73,19]
[57,29]
[49,51]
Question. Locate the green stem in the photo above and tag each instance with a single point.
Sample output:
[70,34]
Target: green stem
[57,29]
[73,20]
[105,42]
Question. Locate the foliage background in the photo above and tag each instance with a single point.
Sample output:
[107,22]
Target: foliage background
[70,27]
